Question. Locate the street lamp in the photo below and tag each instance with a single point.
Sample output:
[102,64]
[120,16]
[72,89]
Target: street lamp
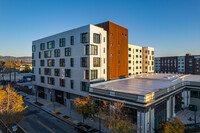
[193,108]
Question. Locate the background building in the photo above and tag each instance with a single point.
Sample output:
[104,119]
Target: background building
[134,59]
[188,64]
[66,63]
[148,60]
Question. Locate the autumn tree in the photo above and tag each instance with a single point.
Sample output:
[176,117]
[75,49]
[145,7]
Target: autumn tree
[18,62]
[11,106]
[117,120]
[86,107]
[173,125]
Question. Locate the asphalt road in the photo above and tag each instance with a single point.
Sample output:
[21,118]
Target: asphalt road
[39,121]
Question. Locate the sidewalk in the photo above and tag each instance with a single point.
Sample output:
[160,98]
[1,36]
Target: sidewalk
[62,112]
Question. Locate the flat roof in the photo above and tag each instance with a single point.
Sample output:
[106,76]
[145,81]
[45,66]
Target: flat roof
[144,84]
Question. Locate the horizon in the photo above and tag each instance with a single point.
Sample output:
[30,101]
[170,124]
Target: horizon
[171,27]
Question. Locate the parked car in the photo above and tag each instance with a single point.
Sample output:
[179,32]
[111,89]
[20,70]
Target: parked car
[82,128]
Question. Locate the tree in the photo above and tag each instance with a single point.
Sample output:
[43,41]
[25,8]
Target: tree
[11,106]
[173,125]
[9,65]
[27,68]
[117,120]
[86,107]
[18,62]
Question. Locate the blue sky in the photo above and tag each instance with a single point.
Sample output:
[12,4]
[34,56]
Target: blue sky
[172,27]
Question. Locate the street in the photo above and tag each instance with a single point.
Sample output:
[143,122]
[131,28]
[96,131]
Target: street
[39,121]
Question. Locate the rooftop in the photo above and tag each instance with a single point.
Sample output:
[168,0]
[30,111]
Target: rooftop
[145,83]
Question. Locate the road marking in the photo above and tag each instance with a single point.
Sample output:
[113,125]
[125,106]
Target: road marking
[46,126]
[58,108]
[32,98]
[42,100]
[48,103]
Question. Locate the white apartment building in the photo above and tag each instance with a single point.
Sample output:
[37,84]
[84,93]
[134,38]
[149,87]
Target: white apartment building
[66,63]
[148,60]
[134,59]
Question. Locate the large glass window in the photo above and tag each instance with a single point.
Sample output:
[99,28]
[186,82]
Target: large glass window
[85,86]
[41,62]
[33,62]
[72,62]
[50,80]
[42,79]
[96,38]
[57,72]
[68,51]
[50,62]
[84,37]
[57,53]
[42,46]
[96,62]
[72,40]
[85,62]
[87,49]
[94,74]
[62,62]
[67,73]
[47,54]
[62,82]
[62,42]
[87,74]
[50,44]
[94,50]
[33,48]
[72,84]
[47,71]
[39,54]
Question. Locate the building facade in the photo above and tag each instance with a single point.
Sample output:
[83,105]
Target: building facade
[188,64]
[65,64]
[134,59]
[117,40]
[148,60]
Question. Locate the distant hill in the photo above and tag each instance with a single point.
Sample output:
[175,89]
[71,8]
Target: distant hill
[24,58]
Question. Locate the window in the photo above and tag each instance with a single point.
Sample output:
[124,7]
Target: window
[42,46]
[68,51]
[39,70]
[62,62]
[96,62]
[104,39]
[57,53]
[67,73]
[42,79]
[85,62]
[94,50]
[86,72]
[104,50]
[33,77]
[47,71]
[32,55]
[85,86]
[39,54]
[94,74]
[87,49]
[129,55]
[33,48]
[50,44]
[41,62]
[57,72]
[129,49]
[62,82]
[47,54]
[84,37]
[129,61]
[140,51]
[50,80]
[96,38]
[136,50]
[129,68]
[62,42]
[136,56]
[33,62]
[50,62]
[72,40]
[72,84]
[72,62]
[33,70]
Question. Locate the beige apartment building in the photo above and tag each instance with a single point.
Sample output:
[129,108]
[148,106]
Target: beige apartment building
[140,59]
[148,60]
[134,59]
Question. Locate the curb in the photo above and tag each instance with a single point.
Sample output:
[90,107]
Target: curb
[59,117]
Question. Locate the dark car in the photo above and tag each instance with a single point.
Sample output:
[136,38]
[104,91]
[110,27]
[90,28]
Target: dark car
[82,128]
